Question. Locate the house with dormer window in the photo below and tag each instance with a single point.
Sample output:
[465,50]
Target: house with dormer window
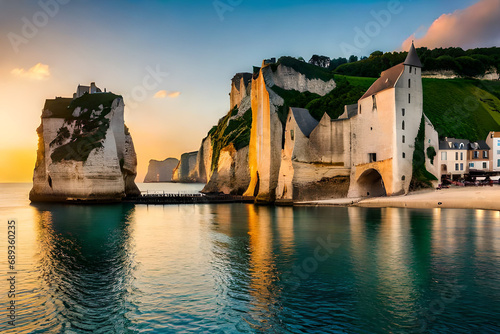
[478,156]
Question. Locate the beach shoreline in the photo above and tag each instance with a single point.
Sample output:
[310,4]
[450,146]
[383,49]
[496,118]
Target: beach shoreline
[485,198]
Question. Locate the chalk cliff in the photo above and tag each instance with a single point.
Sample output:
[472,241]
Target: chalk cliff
[242,153]
[184,169]
[85,151]
[161,171]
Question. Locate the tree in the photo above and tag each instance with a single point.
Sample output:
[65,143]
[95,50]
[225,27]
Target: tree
[353,58]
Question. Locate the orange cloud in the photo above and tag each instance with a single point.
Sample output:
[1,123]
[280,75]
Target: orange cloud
[38,72]
[163,94]
[474,26]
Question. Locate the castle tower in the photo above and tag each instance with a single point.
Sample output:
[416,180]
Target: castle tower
[384,131]
[409,108]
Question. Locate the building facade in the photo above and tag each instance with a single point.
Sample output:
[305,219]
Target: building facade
[493,141]
[478,156]
[452,158]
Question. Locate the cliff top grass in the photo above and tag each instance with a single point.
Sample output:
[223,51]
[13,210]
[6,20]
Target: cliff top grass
[62,107]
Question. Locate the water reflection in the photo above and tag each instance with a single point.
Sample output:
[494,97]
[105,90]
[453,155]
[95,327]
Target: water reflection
[86,265]
[250,269]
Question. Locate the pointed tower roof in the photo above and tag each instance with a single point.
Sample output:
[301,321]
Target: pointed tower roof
[412,58]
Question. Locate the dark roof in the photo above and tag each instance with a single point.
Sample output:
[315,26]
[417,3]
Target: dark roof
[352,110]
[412,58]
[387,80]
[479,145]
[453,144]
[304,120]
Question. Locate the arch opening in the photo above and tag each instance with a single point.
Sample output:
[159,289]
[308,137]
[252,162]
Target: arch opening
[371,184]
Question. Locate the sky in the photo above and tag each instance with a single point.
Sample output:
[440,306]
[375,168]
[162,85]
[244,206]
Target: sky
[173,60]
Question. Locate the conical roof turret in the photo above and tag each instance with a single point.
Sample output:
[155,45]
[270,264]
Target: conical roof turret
[412,58]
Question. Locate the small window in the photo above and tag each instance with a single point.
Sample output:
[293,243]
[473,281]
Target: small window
[471,165]
[409,98]
[461,155]
[498,163]
[498,151]
[292,134]
[456,166]
[415,70]
[403,111]
[409,83]
[403,139]
[485,165]
[374,102]
[372,157]
[444,155]
[404,155]
[461,166]
[403,178]
[403,125]
[456,155]
[485,154]
[476,154]
[410,69]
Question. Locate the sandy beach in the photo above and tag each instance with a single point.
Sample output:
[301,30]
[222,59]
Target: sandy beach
[487,198]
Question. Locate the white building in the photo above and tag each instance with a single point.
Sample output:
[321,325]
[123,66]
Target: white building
[452,158]
[493,141]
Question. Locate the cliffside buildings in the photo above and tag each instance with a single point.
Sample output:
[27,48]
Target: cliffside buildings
[367,151]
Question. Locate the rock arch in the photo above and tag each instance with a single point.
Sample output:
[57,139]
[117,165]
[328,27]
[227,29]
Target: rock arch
[371,183]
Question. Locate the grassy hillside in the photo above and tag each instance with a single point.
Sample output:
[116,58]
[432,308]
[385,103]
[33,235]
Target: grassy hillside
[460,108]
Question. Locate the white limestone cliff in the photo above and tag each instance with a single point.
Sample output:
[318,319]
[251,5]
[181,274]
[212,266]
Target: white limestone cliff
[161,171]
[84,155]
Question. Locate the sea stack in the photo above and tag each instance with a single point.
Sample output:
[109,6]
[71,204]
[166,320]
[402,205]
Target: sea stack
[85,151]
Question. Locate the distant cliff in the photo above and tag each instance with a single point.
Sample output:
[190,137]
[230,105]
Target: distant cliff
[161,171]
[85,151]
[182,172]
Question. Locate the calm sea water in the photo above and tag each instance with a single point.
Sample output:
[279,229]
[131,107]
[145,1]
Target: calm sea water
[248,269]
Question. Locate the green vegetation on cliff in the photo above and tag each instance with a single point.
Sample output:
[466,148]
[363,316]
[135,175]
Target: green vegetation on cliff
[230,130]
[466,63]
[333,103]
[309,70]
[421,178]
[89,127]
[462,108]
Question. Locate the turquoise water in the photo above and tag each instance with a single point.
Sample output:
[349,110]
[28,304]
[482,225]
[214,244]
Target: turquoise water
[248,269]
